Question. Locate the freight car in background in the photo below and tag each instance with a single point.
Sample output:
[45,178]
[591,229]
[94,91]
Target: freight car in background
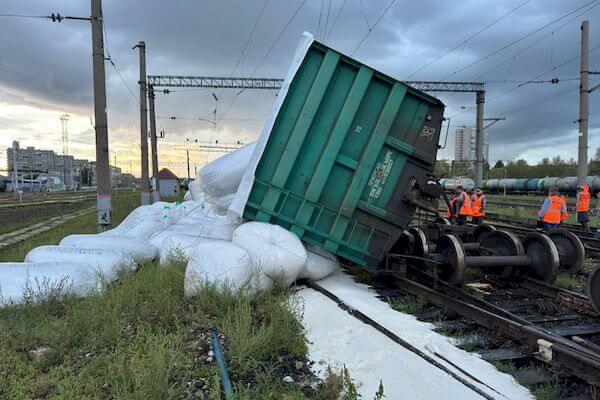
[531,185]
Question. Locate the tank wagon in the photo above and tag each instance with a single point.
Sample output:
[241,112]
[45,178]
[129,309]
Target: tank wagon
[532,185]
[451,184]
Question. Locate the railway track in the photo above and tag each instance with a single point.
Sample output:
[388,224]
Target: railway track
[547,323]
[592,245]
[542,322]
[10,238]
[71,200]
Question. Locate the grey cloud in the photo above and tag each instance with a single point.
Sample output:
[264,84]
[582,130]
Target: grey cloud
[51,62]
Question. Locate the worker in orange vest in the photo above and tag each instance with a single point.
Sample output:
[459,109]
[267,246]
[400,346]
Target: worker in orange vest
[478,206]
[583,207]
[552,210]
[463,205]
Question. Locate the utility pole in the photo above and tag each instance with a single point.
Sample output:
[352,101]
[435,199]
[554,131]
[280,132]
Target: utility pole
[479,100]
[116,181]
[155,188]
[15,180]
[145,194]
[187,153]
[582,161]
[102,168]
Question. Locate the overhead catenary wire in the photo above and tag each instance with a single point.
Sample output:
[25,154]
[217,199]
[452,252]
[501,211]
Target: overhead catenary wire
[391,3]
[320,17]
[327,34]
[248,39]
[542,100]
[327,18]
[113,63]
[464,42]
[24,16]
[364,13]
[570,60]
[290,20]
[536,42]
[512,43]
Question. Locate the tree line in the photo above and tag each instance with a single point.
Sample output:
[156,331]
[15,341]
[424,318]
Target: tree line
[520,168]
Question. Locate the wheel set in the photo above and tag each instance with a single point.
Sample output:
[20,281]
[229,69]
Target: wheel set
[494,251]
[500,254]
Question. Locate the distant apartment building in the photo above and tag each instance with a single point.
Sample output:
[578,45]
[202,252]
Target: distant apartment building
[464,145]
[73,173]
[115,175]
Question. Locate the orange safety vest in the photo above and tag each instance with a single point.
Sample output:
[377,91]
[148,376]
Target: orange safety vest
[477,205]
[466,206]
[564,215]
[583,199]
[448,212]
[553,214]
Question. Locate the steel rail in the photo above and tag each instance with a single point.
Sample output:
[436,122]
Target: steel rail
[571,299]
[552,349]
[369,321]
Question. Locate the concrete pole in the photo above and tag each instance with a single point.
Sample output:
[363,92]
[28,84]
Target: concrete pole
[187,153]
[582,161]
[15,180]
[145,194]
[156,188]
[480,100]
[102,169]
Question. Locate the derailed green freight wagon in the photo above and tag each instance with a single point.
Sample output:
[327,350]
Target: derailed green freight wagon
[343,155]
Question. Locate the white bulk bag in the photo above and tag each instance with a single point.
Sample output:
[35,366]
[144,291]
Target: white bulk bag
[221,204]
[195,191]
[219,227]
[42,279]
[159,205]
[276,251]
[187,196]
[106,262]
[223,175]
[139,249]
[225,265]
[157,239]
[140,223]
[178,248]
[320,263]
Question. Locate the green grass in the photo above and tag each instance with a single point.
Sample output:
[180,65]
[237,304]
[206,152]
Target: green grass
[18,218]
[407,303]
[508,367]
[123,204]
[546,391]
[143,339]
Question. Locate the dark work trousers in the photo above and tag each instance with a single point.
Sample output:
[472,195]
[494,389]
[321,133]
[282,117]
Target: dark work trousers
[461,219]
[583,217]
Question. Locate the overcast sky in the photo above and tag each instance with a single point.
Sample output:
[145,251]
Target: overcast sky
[45,67]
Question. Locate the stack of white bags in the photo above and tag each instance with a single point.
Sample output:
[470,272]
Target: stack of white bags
[250,256]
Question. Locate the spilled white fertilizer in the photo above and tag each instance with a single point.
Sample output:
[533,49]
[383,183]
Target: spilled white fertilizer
[338,338]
